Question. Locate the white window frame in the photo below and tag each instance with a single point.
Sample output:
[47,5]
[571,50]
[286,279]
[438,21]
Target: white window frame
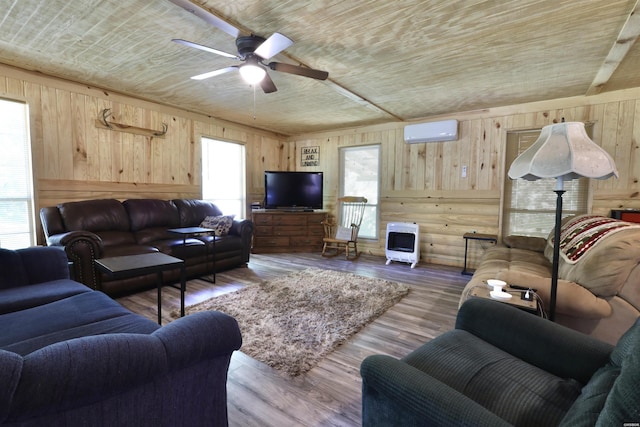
[216,182]
[372,211]
[17,219]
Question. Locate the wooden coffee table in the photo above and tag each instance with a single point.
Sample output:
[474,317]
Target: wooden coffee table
[136,265]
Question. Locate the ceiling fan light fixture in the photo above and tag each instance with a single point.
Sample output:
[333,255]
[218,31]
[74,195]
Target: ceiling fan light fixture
[252,73]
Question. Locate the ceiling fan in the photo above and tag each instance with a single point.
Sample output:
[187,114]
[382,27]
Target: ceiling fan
[253,51]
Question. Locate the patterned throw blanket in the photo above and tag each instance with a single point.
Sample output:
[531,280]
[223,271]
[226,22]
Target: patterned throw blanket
[583,233]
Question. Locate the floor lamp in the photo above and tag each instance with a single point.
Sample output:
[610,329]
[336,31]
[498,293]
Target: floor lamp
[563,151]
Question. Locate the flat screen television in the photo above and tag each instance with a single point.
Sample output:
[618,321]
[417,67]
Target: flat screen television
[293,190]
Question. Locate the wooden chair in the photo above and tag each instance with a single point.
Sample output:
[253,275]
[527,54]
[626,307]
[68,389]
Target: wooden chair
[343,236]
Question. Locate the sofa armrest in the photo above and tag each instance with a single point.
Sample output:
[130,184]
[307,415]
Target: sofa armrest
[244,229]
[395,393]
[573,299]
[199,336]
[241,227]
[71,375]
[82,248]
[529,337]
[69,238]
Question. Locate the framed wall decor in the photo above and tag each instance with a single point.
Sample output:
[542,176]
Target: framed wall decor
[310,156]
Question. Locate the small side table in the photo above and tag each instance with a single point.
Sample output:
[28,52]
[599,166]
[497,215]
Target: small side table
[475,236]
[191,231]
[483,291]
[136,265]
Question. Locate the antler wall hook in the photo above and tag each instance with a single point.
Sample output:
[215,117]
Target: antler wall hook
[105,123]
[106,113]
[165,127]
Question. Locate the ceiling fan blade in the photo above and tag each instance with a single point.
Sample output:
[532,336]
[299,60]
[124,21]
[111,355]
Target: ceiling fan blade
[299,71]
[275,44]
[209,17]
[267,84]
[205,48]
[214,73]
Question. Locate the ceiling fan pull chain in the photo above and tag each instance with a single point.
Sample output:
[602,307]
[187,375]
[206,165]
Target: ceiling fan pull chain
[254,102]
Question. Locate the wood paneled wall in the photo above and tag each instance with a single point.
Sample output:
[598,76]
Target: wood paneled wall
[423,183]
[76,159]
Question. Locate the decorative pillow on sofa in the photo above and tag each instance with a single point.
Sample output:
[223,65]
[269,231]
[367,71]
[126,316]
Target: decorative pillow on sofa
[221,224]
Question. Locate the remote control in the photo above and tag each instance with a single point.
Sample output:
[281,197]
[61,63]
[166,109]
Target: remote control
[522,288]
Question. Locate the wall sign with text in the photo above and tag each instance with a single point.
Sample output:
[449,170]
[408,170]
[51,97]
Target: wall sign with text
[310,156]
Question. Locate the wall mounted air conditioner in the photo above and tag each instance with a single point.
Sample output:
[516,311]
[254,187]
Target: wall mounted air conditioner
[445,130]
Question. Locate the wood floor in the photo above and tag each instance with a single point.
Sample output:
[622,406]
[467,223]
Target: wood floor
[328,395]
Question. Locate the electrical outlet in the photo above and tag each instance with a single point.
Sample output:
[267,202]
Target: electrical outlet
[464,171]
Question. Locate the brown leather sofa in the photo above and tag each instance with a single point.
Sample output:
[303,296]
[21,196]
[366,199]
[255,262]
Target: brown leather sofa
[94,229]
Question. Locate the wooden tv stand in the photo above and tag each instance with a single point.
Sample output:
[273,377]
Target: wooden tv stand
[278,231]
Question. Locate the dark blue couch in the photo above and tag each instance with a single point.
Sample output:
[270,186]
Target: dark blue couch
[71,356]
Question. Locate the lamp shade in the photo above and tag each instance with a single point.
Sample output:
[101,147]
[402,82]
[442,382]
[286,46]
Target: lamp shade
[564,151]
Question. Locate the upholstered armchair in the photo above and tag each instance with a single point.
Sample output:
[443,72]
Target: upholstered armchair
[501,366]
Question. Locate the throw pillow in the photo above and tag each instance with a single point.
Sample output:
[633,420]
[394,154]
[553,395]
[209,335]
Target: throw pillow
[221,224]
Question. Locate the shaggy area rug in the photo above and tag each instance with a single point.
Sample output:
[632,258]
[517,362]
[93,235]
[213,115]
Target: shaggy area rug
[291,323]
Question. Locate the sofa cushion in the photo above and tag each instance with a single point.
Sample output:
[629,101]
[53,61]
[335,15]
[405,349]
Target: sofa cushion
[499,258]
[229,245]
[495,379]
[182,248]
[193,211]
[221,224]
[127,249]
[536,244]
[151,213]
[75,316]
[128,323]
[13,273]
[95,215]
[115,238]
[27,296]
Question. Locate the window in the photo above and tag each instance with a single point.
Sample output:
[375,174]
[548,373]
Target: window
[360,169]
[223,176]
[17,225]
[530,206]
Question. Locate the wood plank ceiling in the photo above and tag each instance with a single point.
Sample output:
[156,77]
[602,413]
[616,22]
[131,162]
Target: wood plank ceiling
[387,60]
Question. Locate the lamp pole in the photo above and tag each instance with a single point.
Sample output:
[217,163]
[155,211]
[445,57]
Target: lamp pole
[556,248]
